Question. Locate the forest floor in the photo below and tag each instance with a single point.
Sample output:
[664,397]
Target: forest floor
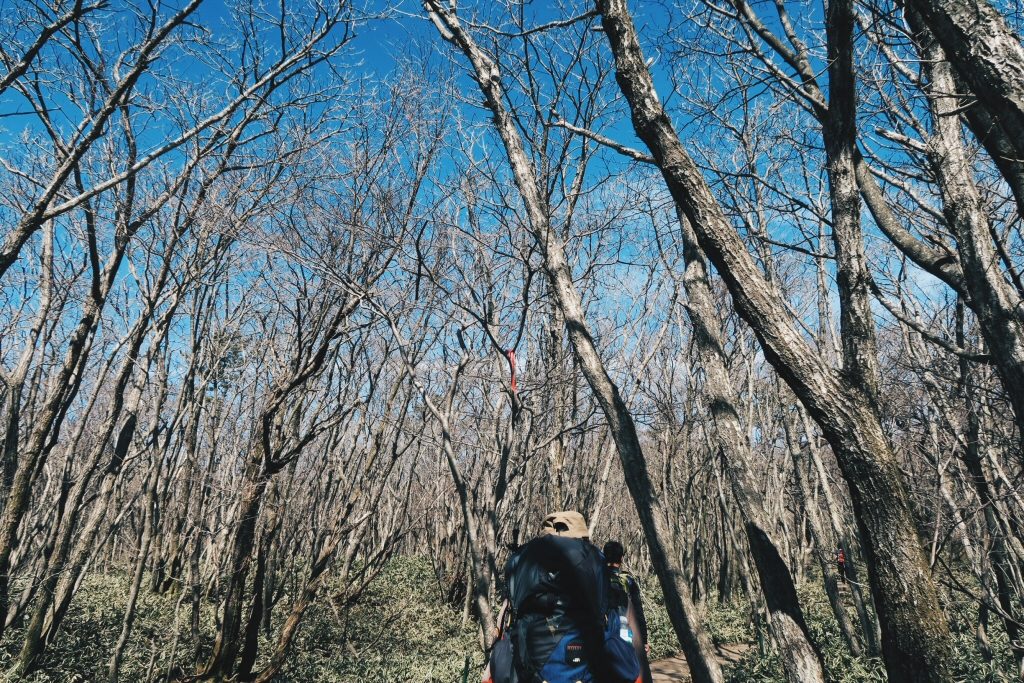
[675,670]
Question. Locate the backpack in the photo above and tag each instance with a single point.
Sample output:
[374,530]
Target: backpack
[561,629]
[622,651]
[618,590]
[570,661]
[501,665]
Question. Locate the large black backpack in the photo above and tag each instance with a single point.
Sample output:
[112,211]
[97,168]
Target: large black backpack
[560,628]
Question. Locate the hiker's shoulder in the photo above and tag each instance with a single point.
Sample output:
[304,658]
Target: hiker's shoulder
[558,549]
[556,541]
[628,578]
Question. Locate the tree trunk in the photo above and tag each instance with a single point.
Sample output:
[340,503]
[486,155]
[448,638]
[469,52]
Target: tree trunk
[998,555]
[996,303]
[55,595]
[228,641]
[695,642]
[820,539]
[149,502]
[917,645]
[989,59]
[800,658]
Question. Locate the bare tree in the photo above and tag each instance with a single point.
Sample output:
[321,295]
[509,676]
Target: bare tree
[649,506]
[915,633]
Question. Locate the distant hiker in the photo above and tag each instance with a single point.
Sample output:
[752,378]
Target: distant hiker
[559,629]
[624,594]
[841,562]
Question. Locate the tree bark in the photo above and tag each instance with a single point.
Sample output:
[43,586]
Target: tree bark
[228,642]
[989,58]
[149,502]
[820,539]
[917,644]
[998,554]
[995,302]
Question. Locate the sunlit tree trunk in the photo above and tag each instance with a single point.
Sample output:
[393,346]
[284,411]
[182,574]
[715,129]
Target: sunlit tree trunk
[916,640]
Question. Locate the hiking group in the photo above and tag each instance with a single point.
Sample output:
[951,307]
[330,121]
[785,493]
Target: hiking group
[572,614]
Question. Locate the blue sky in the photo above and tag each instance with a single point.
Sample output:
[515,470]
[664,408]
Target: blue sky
[406,32]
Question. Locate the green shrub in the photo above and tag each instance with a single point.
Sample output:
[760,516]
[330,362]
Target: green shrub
[91,628]
[397,631]
[842,667]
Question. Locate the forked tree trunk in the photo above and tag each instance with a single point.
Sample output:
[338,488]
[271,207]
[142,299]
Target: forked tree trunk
[481,560]
[54,596]
[994,301]
[998,554]
[989,58]
[917,645]
[228,642]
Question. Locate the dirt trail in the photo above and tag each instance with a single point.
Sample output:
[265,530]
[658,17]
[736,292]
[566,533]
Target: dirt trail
[674,669]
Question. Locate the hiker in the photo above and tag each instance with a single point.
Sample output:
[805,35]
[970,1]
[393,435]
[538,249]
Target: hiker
[624,594]
[557,608]
[841,562]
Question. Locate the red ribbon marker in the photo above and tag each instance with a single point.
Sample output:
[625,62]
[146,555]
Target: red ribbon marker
[512,365]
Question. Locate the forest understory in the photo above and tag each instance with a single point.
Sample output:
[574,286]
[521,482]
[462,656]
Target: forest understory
[404,629]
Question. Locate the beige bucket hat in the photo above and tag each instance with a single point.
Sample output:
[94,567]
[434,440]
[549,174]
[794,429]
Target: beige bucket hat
[565,523]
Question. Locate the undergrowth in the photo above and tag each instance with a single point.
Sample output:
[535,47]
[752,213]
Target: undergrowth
[397,631]
[400,630]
